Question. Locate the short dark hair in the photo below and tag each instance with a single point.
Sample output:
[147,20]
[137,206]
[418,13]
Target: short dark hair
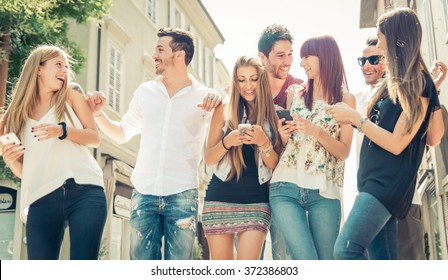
[372,41]
[182,41]
[272,34]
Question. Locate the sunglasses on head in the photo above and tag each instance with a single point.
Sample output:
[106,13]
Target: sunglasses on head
[373,60]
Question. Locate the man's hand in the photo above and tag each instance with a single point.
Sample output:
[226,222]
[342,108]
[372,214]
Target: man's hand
[210,102]
[97,101]
[438,73]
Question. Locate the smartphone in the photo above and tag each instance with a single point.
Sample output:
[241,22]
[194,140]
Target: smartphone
[244,126]
[284,114]
[8,139]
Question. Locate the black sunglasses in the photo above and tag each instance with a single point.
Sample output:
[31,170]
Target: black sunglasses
[373,60]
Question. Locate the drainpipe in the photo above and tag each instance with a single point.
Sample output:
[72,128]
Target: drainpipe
[98,60]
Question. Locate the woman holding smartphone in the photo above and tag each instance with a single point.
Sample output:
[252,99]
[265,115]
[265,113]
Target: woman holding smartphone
[62,183]
[305,187]
[237,198]
[403,116]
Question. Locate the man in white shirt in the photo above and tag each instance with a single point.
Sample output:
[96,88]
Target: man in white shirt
[172,126]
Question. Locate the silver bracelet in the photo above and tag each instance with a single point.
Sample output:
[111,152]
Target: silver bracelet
[99,114]
[361,121]
[267,151]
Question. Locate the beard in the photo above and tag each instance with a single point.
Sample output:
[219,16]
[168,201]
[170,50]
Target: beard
[163,65]
[276,72]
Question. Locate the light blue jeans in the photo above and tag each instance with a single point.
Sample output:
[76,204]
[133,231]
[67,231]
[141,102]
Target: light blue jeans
[308,222]
[369,232]
[173,216]
[279,248]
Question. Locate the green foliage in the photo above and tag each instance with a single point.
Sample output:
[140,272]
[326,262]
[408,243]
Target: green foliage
[197,250]
[6,174]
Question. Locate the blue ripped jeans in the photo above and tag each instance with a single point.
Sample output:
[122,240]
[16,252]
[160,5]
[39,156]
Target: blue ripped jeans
[172,216]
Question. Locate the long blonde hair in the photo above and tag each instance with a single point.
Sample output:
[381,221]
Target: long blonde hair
[404,63]
[264,111]
[25,95]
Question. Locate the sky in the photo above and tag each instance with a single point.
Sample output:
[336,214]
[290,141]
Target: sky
[241,22]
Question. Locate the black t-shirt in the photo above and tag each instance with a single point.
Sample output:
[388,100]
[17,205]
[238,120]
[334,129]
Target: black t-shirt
[246,190]
[388,177]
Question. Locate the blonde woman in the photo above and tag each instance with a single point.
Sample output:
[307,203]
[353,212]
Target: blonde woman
[62,183]
[237,198]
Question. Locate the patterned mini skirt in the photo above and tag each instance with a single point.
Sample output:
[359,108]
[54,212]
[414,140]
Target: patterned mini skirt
[228,218]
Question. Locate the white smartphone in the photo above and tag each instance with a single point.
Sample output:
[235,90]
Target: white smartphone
[8,139]
[244,126]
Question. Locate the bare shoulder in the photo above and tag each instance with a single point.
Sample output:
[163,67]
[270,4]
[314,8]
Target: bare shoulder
[349,98]
[74,96]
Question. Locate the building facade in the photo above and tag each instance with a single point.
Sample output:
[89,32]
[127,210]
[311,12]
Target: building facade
[432,180]
[118,54]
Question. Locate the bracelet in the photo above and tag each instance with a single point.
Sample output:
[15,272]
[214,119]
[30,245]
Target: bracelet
[8,165]
[222,141]
[267,139]
[99,114]
[361,121]
[267,151]
[64,130]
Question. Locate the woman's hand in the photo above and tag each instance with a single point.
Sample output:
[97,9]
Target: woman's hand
[306,127]
[12,152]
[343,113]
[255,135]
[47,131]
[234,139]
[286,130]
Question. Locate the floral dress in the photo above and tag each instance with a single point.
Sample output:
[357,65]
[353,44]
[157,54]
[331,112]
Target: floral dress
[317,159]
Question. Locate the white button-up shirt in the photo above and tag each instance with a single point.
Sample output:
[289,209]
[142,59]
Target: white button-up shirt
[172,132]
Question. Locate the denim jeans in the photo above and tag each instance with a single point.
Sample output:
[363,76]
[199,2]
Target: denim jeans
[172,216]
[82,207]
[370,231]
[308,222]
[278,244]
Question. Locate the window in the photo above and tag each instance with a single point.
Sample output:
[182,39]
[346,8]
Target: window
[8,198]
[151,10]
[445,10]
[115,79]
[434,233]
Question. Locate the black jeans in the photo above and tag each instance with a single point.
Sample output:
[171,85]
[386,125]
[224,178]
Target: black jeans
[82,207]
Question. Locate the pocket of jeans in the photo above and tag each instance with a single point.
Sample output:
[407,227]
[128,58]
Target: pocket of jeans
[275,186]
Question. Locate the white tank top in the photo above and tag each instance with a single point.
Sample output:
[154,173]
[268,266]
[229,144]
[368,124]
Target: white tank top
[48,163]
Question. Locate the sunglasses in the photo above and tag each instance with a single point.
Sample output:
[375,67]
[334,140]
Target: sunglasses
[373,60]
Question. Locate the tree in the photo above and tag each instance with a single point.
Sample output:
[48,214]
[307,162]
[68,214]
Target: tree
[27,23]
[24,24]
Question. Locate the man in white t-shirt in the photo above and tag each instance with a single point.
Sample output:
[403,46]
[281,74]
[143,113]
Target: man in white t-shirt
[167,113]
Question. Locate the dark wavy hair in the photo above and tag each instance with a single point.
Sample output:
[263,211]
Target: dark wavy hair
[182,41]
[272,34]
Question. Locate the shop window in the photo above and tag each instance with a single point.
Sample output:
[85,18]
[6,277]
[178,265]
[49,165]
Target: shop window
[8,198]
